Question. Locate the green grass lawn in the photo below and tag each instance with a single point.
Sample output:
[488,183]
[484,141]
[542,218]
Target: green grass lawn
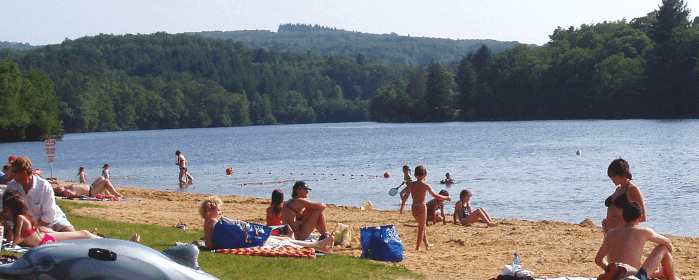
[226,266]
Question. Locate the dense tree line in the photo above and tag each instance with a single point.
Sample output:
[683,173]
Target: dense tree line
[645,68]
[28,104]
[161,81]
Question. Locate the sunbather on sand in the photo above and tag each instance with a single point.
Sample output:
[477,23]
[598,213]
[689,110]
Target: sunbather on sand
[210,210]
[623,247]
[27,231]
[100,186]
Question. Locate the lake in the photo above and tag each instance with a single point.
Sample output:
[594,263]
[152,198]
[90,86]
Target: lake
[525,170]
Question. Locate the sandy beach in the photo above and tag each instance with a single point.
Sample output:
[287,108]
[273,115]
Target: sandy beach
[548,248]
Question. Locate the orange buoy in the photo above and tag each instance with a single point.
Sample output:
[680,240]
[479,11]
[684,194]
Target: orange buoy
[387,175]
[229,171]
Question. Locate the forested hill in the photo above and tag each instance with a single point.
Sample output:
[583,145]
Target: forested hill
[17,46]
[389,48]
[645,68]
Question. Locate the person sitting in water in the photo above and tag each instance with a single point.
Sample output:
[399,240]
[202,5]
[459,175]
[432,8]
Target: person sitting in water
[100,186]
[623,247]
[216,236]
[303,215]
[448,180]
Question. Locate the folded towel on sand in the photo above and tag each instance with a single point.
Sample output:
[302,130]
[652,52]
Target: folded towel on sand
[271,252]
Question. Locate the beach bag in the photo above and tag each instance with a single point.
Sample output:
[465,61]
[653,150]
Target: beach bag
[233,234]
[381,243]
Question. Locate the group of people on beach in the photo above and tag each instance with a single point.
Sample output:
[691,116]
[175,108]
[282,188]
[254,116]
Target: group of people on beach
[294,220]
[424,212]
[624,239]
[30,213]
[101,187]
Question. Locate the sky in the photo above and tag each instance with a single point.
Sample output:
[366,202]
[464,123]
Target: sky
[41,22]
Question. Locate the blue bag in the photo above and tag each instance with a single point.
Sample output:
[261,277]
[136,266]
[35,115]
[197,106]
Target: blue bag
[233,234]
[381,243]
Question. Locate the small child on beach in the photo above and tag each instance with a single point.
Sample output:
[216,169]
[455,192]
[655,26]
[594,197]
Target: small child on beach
[105,171]
[82,177]
[27,231]
[435,209]
[406,180]
[418,190]
[463,214]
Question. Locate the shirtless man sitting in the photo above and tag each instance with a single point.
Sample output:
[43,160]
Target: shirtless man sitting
[623,247]
[100,186]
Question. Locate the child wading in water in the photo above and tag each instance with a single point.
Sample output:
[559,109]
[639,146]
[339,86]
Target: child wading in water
[26,230]
[418,190]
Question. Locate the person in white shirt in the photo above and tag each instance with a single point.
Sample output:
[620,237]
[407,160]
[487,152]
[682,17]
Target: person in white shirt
[39,196]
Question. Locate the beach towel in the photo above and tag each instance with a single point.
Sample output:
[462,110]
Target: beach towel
[271,252]
[98,198]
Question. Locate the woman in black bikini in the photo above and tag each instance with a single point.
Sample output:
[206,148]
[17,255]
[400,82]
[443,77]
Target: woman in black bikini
[627,191]
[303,215]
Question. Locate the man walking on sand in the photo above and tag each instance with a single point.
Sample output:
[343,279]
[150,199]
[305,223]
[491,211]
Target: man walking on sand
[182,163]
[623,247]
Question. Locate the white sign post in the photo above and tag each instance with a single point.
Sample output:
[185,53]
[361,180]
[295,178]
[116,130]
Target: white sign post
[50,145]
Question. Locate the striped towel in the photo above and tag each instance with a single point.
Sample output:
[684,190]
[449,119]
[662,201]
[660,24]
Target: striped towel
[271,252]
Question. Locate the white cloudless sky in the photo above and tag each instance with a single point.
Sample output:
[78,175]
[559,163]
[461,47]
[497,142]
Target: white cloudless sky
[41,22]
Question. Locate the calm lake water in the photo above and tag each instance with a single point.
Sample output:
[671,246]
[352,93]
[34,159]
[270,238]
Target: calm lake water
[520,170]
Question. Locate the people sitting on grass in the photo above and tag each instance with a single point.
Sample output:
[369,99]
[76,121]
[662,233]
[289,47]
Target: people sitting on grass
[101,186]
[38,193]
[623,247]
[218,236]
[27,232]
[463,214]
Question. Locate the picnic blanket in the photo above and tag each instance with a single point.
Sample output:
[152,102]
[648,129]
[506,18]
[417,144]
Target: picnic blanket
[271,252]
